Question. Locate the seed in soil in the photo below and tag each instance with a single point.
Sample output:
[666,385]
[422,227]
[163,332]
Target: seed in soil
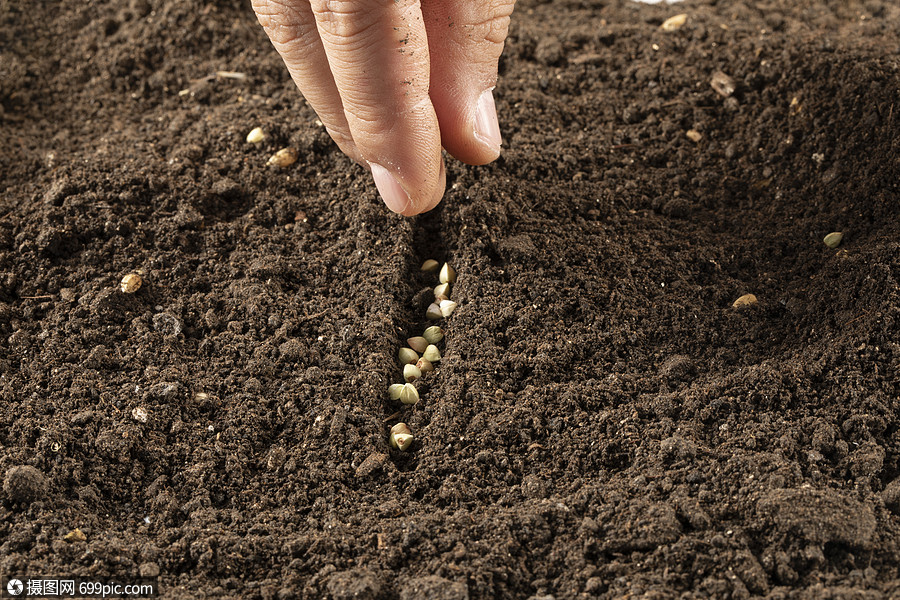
[433,312]
[447,275]
[401,437]
[433,334]
[283,158]
[418,343]
[256,135]
[425,365]
[745,300]
[694,135]
[409,394]
[131,283]
[442,292]
[430,266]
[411,373]
[674,23]
[723,84]
[432,354]
[833,239]
[447,307]
[394,390]
[407,356]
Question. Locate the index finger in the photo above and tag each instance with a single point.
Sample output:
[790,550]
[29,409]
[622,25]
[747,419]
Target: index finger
[378,54]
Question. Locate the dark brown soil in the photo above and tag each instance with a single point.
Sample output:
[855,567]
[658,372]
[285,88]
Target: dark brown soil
[604,423]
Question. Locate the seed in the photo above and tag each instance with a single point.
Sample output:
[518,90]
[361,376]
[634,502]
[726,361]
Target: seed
[400,428]
[256,135]
[409,394]
[447,307]
[131,283]
[674,23]
[284,158]
[433,334]
[442,292]
[833,239]
[694,135]
[401,441]
[745,300]
[425,365]
[430,266]
[433,312]
[411,373]
[417,343]
[407,356]
[432,354]
[395,390]
[448,275]
[723,84]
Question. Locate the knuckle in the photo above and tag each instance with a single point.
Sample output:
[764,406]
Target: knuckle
[492,22]
[285,22]
[343,21]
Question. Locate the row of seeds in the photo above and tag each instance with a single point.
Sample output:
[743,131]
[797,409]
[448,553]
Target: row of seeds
[422,353]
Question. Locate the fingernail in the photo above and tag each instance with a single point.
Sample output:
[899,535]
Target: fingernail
[390,189]
[487,127]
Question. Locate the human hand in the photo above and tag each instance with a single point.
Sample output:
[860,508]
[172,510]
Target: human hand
[394,80]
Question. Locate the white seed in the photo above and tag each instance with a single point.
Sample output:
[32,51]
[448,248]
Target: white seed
[411,373]
[395,390]
[409,394]
[402,441]
[417,343]
[430,266]
[674,23]
[284,158]
[447,307]
[131,283]
[400,428]
[694,135]
[407,356]
[745,300]
[433,312]
[425,365]
[833,239]
[432,354]
[139,414]
[433,334]
[256,135]
[448,275]
[442,292]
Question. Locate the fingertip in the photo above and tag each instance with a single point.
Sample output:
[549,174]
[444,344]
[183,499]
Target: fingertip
[487,125]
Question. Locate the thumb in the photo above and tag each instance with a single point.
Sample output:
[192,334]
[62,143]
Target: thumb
[466,39]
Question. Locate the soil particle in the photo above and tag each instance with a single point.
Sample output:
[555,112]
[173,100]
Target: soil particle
[25,484]
[820,516]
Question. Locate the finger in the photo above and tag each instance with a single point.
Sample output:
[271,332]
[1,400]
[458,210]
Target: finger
[466,39]
[378,54]
[291,27]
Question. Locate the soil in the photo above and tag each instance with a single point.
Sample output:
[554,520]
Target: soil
[603,424]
